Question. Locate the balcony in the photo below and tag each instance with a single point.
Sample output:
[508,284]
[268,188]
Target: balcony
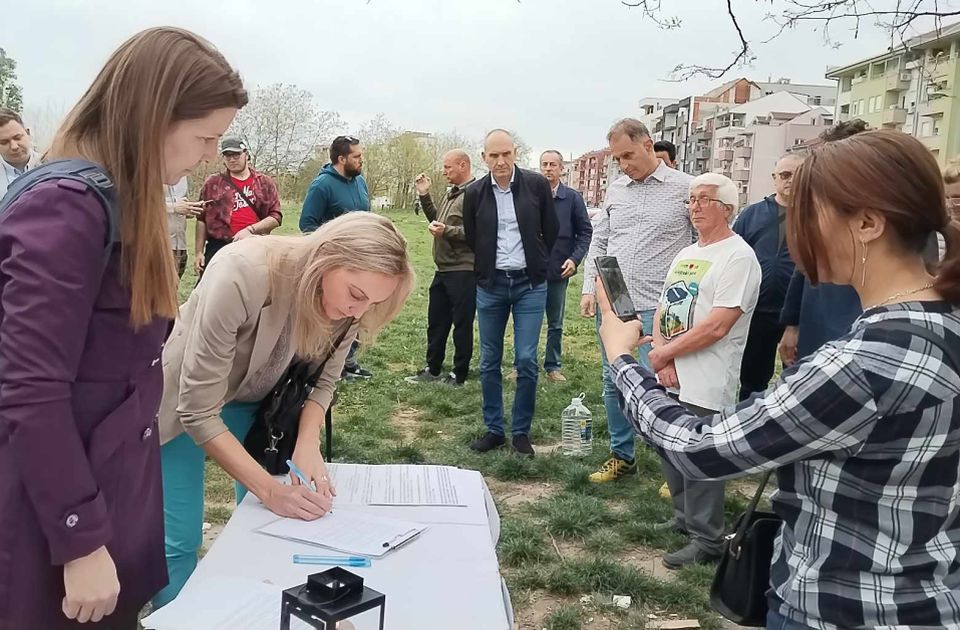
[936,107]
[893,117]
[743,152]
[897,81]
[725,154]
[741,175]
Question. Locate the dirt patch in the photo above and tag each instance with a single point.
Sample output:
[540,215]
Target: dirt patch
[534,615]
[647,560]
[406,420]
[513,494]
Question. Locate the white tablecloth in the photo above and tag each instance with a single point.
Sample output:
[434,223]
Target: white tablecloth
[448,578]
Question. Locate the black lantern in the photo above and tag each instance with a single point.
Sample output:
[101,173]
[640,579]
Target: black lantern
[328,597]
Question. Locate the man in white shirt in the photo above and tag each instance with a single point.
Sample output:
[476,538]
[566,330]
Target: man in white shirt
[16,148]
[700,332]
[643,224]
[178,211]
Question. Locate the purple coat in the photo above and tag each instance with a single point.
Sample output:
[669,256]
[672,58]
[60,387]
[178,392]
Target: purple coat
[79,392]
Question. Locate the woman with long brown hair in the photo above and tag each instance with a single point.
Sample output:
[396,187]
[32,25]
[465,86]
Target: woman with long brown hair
[865,433]
[81,332]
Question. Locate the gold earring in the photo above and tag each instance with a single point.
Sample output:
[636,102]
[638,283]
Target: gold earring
[863,264]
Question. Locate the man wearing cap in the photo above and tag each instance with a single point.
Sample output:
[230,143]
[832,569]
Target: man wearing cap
[238,204]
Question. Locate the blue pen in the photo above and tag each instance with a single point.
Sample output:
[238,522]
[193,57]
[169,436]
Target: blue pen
[347,561]
[300,475]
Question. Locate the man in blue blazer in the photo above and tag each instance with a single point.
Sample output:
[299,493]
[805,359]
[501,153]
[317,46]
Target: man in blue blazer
[573,243]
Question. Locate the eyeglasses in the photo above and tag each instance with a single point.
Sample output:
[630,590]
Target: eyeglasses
[953,203]
[701,201]
[784,176]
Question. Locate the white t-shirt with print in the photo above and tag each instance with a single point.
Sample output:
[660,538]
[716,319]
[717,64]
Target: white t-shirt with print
[723,274]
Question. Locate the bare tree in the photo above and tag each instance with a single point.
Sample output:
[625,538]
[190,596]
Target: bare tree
[283,128]
[897,17]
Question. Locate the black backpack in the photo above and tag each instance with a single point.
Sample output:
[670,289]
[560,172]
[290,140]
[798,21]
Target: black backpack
[87,173]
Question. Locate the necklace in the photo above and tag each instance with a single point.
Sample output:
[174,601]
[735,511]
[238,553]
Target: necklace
[901,294]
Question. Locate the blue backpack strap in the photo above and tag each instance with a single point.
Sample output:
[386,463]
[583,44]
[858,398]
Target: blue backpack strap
[91,175]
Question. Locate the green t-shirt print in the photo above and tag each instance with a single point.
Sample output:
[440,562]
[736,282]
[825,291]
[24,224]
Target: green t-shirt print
[679,298]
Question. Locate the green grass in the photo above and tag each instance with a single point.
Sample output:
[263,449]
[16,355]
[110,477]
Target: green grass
[601,523]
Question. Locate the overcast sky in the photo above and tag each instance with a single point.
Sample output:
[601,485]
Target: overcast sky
[557,71]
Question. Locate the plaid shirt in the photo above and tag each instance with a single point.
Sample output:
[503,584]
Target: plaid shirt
[865,438]
[217,190]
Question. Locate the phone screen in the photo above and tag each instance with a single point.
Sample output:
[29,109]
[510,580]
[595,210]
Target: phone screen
[616,287]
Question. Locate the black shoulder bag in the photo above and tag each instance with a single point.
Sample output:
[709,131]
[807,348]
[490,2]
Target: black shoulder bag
[740,585]
[273,436]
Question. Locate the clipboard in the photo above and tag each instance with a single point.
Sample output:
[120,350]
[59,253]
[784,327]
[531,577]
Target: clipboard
[347,531]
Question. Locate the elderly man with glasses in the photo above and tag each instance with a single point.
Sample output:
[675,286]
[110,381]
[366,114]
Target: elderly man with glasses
[699,334]
[762,226]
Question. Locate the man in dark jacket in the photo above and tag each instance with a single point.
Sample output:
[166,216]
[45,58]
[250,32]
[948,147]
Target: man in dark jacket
[510,223]
[762,225]
[573,242]
[453,292]
[338,188]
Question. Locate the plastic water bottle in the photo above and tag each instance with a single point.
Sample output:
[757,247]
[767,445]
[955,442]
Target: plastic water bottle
[576,425]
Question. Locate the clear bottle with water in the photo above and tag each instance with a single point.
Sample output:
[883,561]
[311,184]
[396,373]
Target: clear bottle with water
[576,428]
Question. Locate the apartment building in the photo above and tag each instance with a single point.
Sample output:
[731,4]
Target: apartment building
[589,176]
[910,87]
[747,140]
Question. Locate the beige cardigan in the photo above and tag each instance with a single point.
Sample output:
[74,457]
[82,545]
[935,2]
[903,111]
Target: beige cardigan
[224,335]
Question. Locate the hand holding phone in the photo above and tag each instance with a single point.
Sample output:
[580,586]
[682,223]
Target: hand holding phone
[616,288]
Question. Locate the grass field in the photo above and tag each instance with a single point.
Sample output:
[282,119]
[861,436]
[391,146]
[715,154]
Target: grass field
[562,537]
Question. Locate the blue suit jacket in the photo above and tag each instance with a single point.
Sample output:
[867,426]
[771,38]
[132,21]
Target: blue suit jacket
[573,239]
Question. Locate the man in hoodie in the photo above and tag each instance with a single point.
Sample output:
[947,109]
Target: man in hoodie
[16,148]
[338,188]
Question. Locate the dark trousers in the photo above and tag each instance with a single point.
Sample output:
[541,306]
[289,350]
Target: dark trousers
[453,303]
[556,301]
[180,259]
[760,353]
[697,505]
[210,249]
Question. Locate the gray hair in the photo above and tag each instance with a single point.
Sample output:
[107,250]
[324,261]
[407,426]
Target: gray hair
[555,152]
[727,191]
[630,127]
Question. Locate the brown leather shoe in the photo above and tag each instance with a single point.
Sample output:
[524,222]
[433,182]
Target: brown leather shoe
[556,376]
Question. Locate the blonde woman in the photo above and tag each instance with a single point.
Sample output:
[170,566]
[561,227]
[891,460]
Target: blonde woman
[262,302]
[81,529]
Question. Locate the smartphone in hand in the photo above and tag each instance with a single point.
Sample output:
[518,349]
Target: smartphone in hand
[616,288]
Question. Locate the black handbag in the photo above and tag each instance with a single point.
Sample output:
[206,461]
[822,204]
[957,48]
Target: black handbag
[739,589]
[273,436]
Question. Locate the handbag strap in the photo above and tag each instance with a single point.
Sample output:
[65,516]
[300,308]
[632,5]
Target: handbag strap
[953,356]
[737,537]
[312,378]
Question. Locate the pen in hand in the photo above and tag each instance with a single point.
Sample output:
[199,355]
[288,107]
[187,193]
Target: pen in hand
[300,475]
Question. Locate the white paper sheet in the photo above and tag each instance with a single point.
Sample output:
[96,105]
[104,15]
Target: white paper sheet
[348,532]
[395,484]
[249,604]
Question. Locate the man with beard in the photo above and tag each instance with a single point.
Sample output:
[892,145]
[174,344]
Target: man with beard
[338,188]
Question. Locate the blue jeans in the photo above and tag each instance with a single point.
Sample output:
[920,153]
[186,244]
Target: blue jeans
[556,301]
[495,303]
[182,467]
[621,433]
[776,621]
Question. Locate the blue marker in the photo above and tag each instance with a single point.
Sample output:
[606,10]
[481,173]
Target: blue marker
[300,475]
[346,561]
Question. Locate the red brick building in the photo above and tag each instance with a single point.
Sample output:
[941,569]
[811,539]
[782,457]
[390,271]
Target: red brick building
[589,176]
